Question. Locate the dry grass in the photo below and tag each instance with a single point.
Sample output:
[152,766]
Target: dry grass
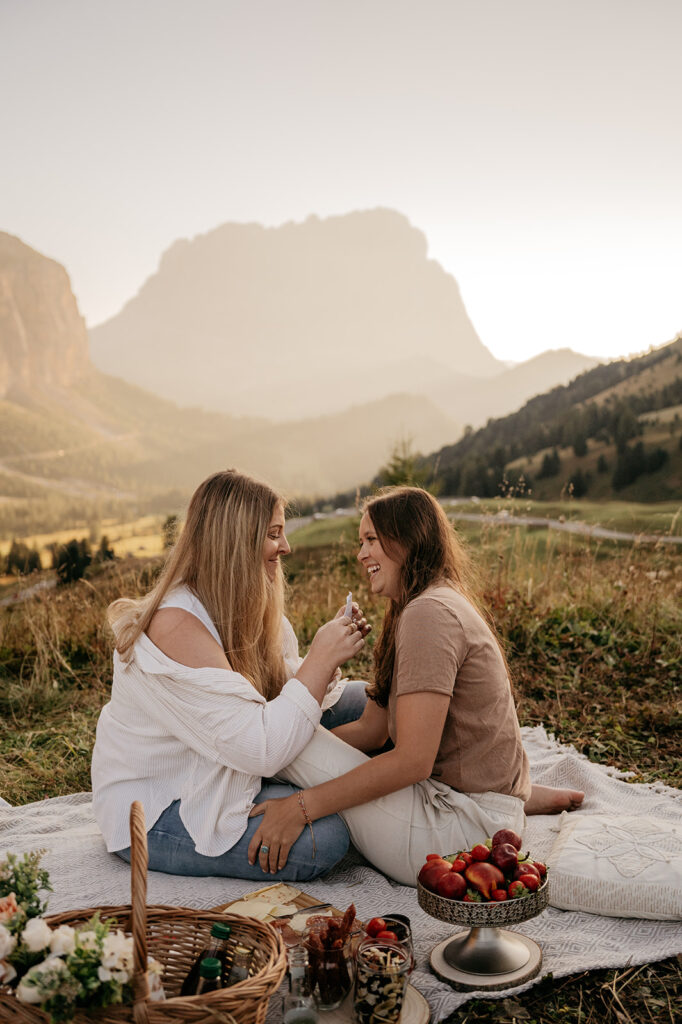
[594,634]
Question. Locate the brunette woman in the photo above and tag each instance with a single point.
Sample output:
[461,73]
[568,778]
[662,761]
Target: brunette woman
[457,771]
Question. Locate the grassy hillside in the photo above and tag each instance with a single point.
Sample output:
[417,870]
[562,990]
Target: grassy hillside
[594,637]
[106,448]
[615,431]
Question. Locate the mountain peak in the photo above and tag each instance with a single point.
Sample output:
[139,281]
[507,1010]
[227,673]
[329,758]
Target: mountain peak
[43,340]
[237,317]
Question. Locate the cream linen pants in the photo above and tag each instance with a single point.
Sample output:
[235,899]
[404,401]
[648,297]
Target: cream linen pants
[397,831]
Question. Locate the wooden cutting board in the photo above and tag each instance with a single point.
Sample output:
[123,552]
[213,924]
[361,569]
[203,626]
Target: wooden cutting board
[302,901]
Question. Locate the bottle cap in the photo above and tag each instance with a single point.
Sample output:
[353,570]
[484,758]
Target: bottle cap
[221,931]
[210,967]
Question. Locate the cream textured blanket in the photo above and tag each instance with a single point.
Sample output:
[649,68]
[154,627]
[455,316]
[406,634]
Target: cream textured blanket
[83,874]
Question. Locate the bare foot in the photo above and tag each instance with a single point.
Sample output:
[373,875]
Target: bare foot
[546,800]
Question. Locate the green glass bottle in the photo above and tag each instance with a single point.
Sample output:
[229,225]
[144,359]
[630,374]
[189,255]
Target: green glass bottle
[209,975]
[216,948]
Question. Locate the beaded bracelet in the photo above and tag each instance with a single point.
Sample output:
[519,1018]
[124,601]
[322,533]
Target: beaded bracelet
[308,820]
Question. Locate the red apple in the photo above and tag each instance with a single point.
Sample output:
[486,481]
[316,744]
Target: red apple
[505,856]
[452,886]
[542,868]
[507,835]
[431,872]
[484,877]
[526,868]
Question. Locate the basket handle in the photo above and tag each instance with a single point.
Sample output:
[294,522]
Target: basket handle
[138,897]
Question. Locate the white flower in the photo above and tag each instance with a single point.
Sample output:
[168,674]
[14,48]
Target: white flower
[7,942]
[104,974]
[63,940]
[117,950]
[153,966]
[156,990]
[7,972]
[88,940]
[36,935]
[28,993]
[43,980]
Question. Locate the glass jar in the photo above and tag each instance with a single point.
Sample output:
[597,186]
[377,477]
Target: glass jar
[331,970]
[241,964]
[381,976]
[298,1004]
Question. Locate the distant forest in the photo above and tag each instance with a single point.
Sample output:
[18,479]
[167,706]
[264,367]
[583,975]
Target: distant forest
[565,417]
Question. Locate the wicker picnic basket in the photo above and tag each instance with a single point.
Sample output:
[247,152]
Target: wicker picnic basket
[175,936]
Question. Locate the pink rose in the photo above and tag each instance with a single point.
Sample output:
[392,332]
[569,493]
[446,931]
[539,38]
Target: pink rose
[8,907]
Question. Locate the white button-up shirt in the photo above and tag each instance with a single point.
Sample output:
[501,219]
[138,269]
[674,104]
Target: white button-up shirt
[204,736]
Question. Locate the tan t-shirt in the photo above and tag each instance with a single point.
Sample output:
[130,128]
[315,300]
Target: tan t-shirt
[444,646]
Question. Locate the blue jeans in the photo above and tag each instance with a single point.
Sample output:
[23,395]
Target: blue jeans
[171,847]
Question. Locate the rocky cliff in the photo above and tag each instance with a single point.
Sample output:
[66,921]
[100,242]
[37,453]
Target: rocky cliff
[43,340]
[294,321]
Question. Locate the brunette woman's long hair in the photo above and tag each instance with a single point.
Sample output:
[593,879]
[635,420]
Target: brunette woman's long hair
[219,556]
[413,529]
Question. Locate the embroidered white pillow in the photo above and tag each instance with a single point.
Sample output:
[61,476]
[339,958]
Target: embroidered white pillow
[622,866]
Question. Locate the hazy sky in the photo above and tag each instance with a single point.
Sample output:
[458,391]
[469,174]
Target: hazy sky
[537,143]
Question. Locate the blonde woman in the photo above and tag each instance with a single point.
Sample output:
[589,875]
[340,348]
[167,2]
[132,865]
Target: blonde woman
[457,771]
[210,698]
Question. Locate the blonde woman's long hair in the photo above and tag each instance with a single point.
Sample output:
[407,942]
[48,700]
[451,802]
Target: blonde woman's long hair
[219,556]
[413,528]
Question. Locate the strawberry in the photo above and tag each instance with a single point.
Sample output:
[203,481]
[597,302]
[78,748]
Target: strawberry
[465,856]
[472,897]
[499,894]
[531,882]
[480,852]
[459,865]
[516,890]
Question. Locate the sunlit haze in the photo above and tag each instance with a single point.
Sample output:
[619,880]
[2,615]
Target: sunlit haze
[537,145]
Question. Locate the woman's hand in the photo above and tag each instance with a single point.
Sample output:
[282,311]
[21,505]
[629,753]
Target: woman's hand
[333,644]
[279,829]
[357,617]
[336,642]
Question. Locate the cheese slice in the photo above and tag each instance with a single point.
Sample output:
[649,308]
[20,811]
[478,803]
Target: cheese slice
[260,909]
[263,910]
[299,921]
[278,893]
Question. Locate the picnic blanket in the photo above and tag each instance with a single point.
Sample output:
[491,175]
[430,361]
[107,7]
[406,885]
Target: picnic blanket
[83,874]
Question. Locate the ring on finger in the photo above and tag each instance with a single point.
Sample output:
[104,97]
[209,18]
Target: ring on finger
[264,849]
